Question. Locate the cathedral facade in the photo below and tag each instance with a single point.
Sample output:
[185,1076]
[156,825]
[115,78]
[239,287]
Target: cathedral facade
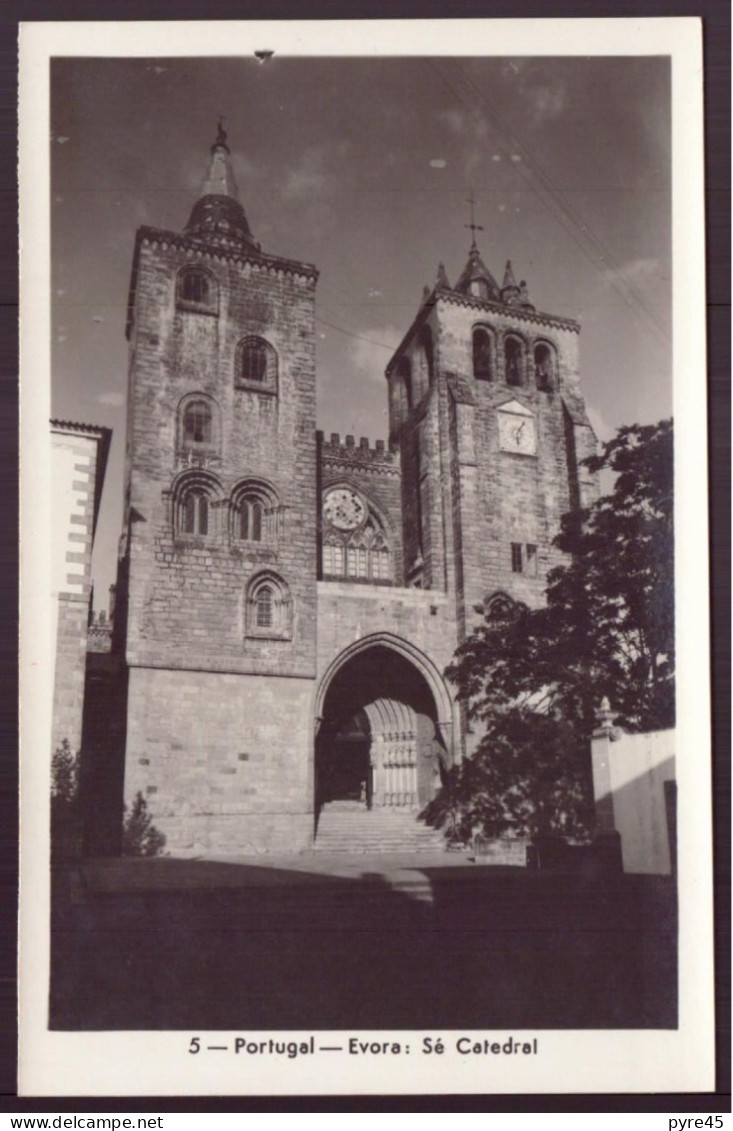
[288,602]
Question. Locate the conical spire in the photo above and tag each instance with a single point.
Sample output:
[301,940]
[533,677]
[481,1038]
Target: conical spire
[217,214]
[442,277]
[509,280]
[476,279]
[509,288]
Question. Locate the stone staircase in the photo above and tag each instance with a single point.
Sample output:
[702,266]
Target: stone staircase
[350,827]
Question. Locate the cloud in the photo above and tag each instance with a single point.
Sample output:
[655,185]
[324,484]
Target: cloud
[114,399]
[602,428]
[546,102]
[633,271]
[313,175]
[438,163]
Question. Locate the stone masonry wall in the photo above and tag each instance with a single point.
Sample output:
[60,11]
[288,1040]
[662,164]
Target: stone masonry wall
[187,596]
[518,498]
[375,472]
[74,465]
[224,762]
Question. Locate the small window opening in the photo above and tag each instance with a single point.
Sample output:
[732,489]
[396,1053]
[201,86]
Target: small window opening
[197,423]
[265,607]
[516,557]
[481,355]
[513,361]
[254,362]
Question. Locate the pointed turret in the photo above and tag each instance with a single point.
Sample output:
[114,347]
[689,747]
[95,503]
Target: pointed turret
[476,279]
[509,288]
[217,214]
[524,299]
[442,277]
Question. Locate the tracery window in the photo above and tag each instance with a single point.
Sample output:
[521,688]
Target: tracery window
[361,555]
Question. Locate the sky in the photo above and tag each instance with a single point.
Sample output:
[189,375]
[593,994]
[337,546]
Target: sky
[364,168]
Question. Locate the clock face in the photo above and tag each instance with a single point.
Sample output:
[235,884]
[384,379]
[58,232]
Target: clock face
[343,508]
[517,434]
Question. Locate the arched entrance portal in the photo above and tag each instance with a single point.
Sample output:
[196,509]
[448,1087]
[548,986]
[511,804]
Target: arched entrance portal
[380,744]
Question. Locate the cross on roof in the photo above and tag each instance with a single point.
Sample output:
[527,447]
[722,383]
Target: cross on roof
[473,225]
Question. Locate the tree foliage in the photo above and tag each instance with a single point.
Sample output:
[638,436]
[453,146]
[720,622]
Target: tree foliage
[139,835]
[532,679]
[65,807]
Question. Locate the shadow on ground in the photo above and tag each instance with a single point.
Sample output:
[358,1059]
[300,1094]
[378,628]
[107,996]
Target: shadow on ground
[173,944]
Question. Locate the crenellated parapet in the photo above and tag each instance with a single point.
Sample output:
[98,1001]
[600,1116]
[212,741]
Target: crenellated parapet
[378,458]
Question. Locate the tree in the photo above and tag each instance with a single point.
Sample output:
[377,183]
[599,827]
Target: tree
[139,835]
[534,678]
[65,808]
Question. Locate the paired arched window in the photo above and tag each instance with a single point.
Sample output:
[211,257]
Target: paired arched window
[483,354]
[193,495]
[268,609]
[255,365]
[255,513]
[196,290]
[513,361]
[544,367]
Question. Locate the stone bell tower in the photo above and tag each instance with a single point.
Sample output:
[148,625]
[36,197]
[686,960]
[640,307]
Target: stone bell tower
[486,407]
[219,566]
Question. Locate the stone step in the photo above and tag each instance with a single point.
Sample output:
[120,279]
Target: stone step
[361,831]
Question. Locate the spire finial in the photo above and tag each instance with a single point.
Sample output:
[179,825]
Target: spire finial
[473,225]
[221,134]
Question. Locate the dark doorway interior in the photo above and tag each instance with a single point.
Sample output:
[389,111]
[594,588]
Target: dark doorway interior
[378,744]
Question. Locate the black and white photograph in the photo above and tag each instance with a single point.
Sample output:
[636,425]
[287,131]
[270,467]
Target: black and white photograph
[366,731]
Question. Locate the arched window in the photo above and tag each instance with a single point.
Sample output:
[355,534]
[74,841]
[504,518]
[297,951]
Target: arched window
[513,361]
[196,290]
[544,367]
[255,513]
[197,428]
[265,606]
[195,513]
[500,607]
[193,495]
[250,520]
[256,365]
[268,609]
[482,354]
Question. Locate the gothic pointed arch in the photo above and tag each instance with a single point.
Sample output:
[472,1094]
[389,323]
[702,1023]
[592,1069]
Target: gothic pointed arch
[363,550]
[444,707]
